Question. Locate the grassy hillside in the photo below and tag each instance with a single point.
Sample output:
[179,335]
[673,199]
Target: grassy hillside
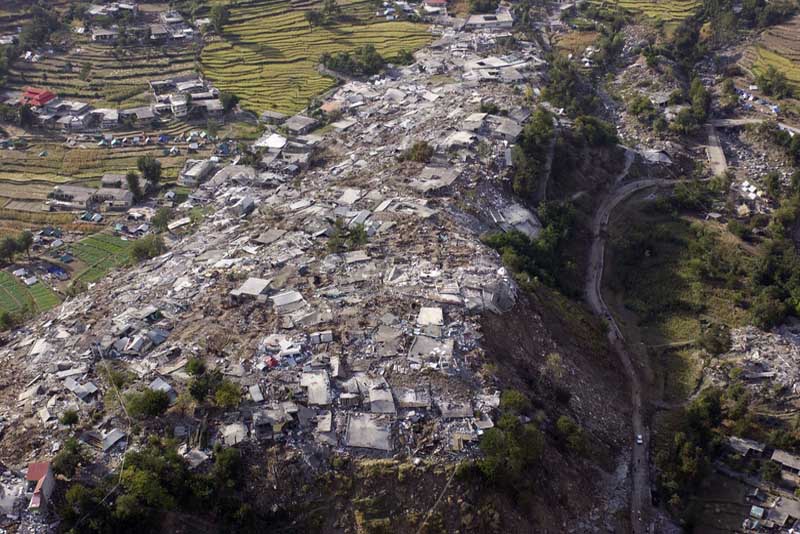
[269,54]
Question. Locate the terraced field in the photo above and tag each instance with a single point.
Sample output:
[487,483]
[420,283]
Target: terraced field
[778,46]
[269,53]
[112,80]
[669,11]
[16,298]
[61,164]
[100,253]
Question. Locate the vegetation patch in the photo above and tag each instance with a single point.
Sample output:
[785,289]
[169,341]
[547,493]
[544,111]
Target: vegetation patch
[269,51]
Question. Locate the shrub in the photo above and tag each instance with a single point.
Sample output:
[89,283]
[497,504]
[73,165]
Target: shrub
[420,151]
[148,247]
[195,366]
[69,418]
[228,394]
[514,402]
[148,403]
[68,458]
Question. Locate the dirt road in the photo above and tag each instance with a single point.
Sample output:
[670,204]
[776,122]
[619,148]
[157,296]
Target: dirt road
[640,500]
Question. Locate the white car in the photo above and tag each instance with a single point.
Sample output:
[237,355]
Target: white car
[639,439]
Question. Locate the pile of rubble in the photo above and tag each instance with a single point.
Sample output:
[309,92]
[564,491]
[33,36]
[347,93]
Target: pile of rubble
[346,302]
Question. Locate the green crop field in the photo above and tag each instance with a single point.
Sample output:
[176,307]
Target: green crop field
[669,11]
[15,298]
[758,58]
[101,253]
[269,54]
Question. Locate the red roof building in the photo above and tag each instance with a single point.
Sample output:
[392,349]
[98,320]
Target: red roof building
[41,483]
[36,97]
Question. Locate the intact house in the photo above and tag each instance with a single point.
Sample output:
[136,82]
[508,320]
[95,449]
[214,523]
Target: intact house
[140,117]
[36,98]
[72,197]
[194,172]
[495,21]
[300,124]
[40,485]
[103,35]
[114,199]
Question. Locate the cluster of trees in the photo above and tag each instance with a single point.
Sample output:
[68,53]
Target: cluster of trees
[41,23]
[483,6]
[567,89]
[689,119]
[328,14]
[530,153]
[210,384]
[544,258]
[150,169]
[364,61]
[686,457]
[10,246]
[219,16]
[774,83]
[641,107]
[155,481]
[511,448]
[595,132]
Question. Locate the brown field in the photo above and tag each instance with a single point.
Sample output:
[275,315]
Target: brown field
[575,42]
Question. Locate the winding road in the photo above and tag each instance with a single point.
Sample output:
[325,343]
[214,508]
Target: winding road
[640,500]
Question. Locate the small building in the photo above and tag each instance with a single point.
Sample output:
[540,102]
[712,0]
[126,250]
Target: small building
[103,35]
[490,21]
[788,462]
[142,116]
[114,199]
[112,180]
[194,172]
[35,97]
[272,117]
[300,124]
[40,485]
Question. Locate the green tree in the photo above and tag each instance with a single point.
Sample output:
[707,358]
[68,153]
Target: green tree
[150,168]
[69,418]
[25,242]
[219,17]
[195,367]
[228,394]
[161,219]
[8,248]
[514,402]
[133,185]
[229,100]
[68,458]
[148,247]
[147,403]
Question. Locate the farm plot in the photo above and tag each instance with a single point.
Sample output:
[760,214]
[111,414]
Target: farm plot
[269,54]
[100,253]
[669,11]
[15,298]
[778,46]
[103,76]
[49,162]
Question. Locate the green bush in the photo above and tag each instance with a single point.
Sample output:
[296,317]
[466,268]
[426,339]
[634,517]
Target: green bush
[69,418]
[228,394]
[148,247]
[68,458]
[147,403]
